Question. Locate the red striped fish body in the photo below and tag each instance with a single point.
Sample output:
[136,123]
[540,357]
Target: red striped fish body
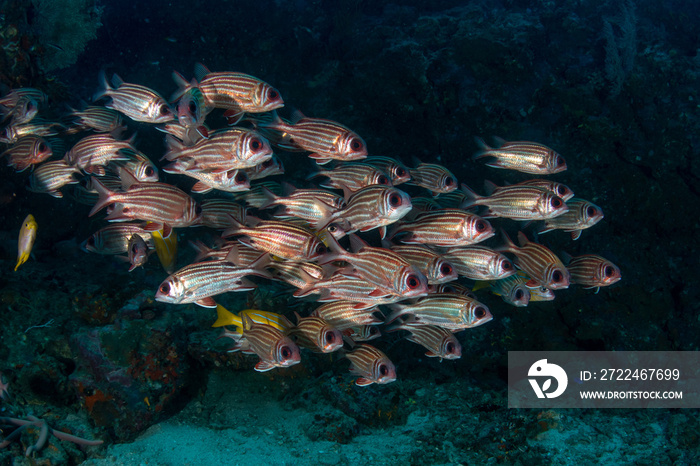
[98,119]
[517,202]
[233,148]
[353,177]
[230,181]
[316,334]
[512,290]
[326,140]
[374,207]
[50,177]
[135,101]
[440,342]
[344,314]
[593,271]
[244,255]
[271,345]
[398,173]
[434,266]
[433,177]
[280,239]
[27,151]
[114,239]
[582,214]
[238,92]
[340,287]
[159,203]
[97,150]
[34,128]
[480,263]
[15,96]
[541,264]
[371,365]
[522,156]
[452,288]
[451,311]
[554,187]
[313,205]
[198,282]
[447,227]
[217,213]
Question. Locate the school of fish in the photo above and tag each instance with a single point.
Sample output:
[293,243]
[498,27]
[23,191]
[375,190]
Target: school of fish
[416,274]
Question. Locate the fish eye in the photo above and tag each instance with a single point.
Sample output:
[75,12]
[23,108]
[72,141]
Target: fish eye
[273,94]
[42,147]
[560,161]
[149,171]
[449,182]
[519,294]
[330,337]
[591,211]
[446,269]
[164,288]
[383,370]
[480,226]
[449,289]
[557,276]
[373,330]
[164,110]
[332,228]
[394,200]
[412,282]
[400,172]
[382,180]
[286,352]
[321,249]
[356,144]
[480,312]
[506,265]
[192,107]
[556,202]
[255,144]
[124,209]
[450,348]
[561,190]
[608,271]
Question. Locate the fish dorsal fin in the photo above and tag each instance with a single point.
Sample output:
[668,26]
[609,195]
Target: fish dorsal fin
[297,116]
[200,71]
[522,239]
[565,257]
[490,187]
[127,178]
[117,80]
[499,141]
[233,256]
[356,243]
[246,322]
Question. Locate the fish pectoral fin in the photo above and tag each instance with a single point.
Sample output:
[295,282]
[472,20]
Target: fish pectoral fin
[201,188]
[264,366]
[206,302]
[575,234]
[363,381]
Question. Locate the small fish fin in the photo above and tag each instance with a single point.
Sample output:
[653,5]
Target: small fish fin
[270,198]
[200,71]
[482,144]
[296,117]
[200,187]
[117,80]
[509,245]
[246,322]
[565,257]
[320,159]
[264,366]
[233,117]
[182,86]
[203,131]
[430,354]
[470,197]
[104,88]
[378,293]
[522,239]
[363,381]
[206,302]
[336,250]
[356,243]
[490,187]
[575,234]
[97,170]
[173,148]
[104,195]
[500,142]
[225,317]
[127,178]
[382,232]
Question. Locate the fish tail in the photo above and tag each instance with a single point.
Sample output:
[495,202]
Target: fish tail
[104,87]
[471,198]
[173,148]
[105,196]
[270,198]
[182,86]
[226,317]
[483,148]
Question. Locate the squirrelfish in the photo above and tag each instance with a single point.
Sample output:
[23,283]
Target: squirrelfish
[541,264]
[582,214]
[517,202]
[447,227]
[523,156]
[98,119]
[592,271]
[27,236]
[135,101]
[398,173]
[352,177]
[27,151]
[371,365]
[271,345]
[437,268]
[451,311]
[433,177]
[480,263]
[316,334]
[511,289]
[345,314]
[138,251]
[440,342]
[114,239]
[373,207]
[50,177]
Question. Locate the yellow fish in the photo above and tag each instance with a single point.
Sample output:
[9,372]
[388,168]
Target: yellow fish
[226,317]
[27,235]
[166,248]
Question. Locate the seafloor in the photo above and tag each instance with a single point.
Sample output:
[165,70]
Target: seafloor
[612,86]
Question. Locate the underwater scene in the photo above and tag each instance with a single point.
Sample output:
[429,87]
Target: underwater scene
[300,232]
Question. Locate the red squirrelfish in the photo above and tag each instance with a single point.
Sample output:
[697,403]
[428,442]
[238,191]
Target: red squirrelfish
[592,271]
[582,214]
[313,205]
[371,365]
[217,213]
[316,334]
[92,153]
[433,177]
[398,173]
[480,263]
[271,345]
[344,314]
[541,264]
[27,151]
[114,239]
[517,202]
[451,311]
[522,156]
[51,176]
[447,227]
[98,119]
[135,101]
[138,251]
[373,207]
[352,177]
[434,266]
[440,342]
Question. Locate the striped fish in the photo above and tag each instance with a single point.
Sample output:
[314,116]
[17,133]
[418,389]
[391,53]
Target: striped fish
[298,274]
[138,252]
[447,227]
[316,334]
[98,119]
[313,205]
[517,202]
[230,181]
[345,314]
[24,110]
[554,187]
[135,101]
[238,92]
[511,289]
[27,151]
[271,345]
[92,153]
[245,254]
[371,365]
[114,239]
[232,148]
[280,239]
[452,288]
[451,311]
[386,269]
[224,318]
[522,156]
[582,214]
[198,282]
[15,96]
[479,263]
[164,205]
[541,264]
[36,127]
[51,176]
[437,268]
[362,332]
[440,342]
[352,177]
[326,140]
[433,177]
[592,271]
[398,173]
[340,287]
[217,213]
[374,207]
[138,165]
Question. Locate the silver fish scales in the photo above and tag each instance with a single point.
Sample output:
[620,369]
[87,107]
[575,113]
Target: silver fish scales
[114,239]
[447,227]
[512,290]
[592,271]
[273,347]
[313,205]
[560,189]
[522,156]
[373,207]
[517,202]
[230,181]
[217,213]
[433,177]
[440,342]
[344,314]
[371,365]
[316,334]
[480,263]
[97,150]
[340,287]
[398,173]
[451,311]
[98,119]
[353,177]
